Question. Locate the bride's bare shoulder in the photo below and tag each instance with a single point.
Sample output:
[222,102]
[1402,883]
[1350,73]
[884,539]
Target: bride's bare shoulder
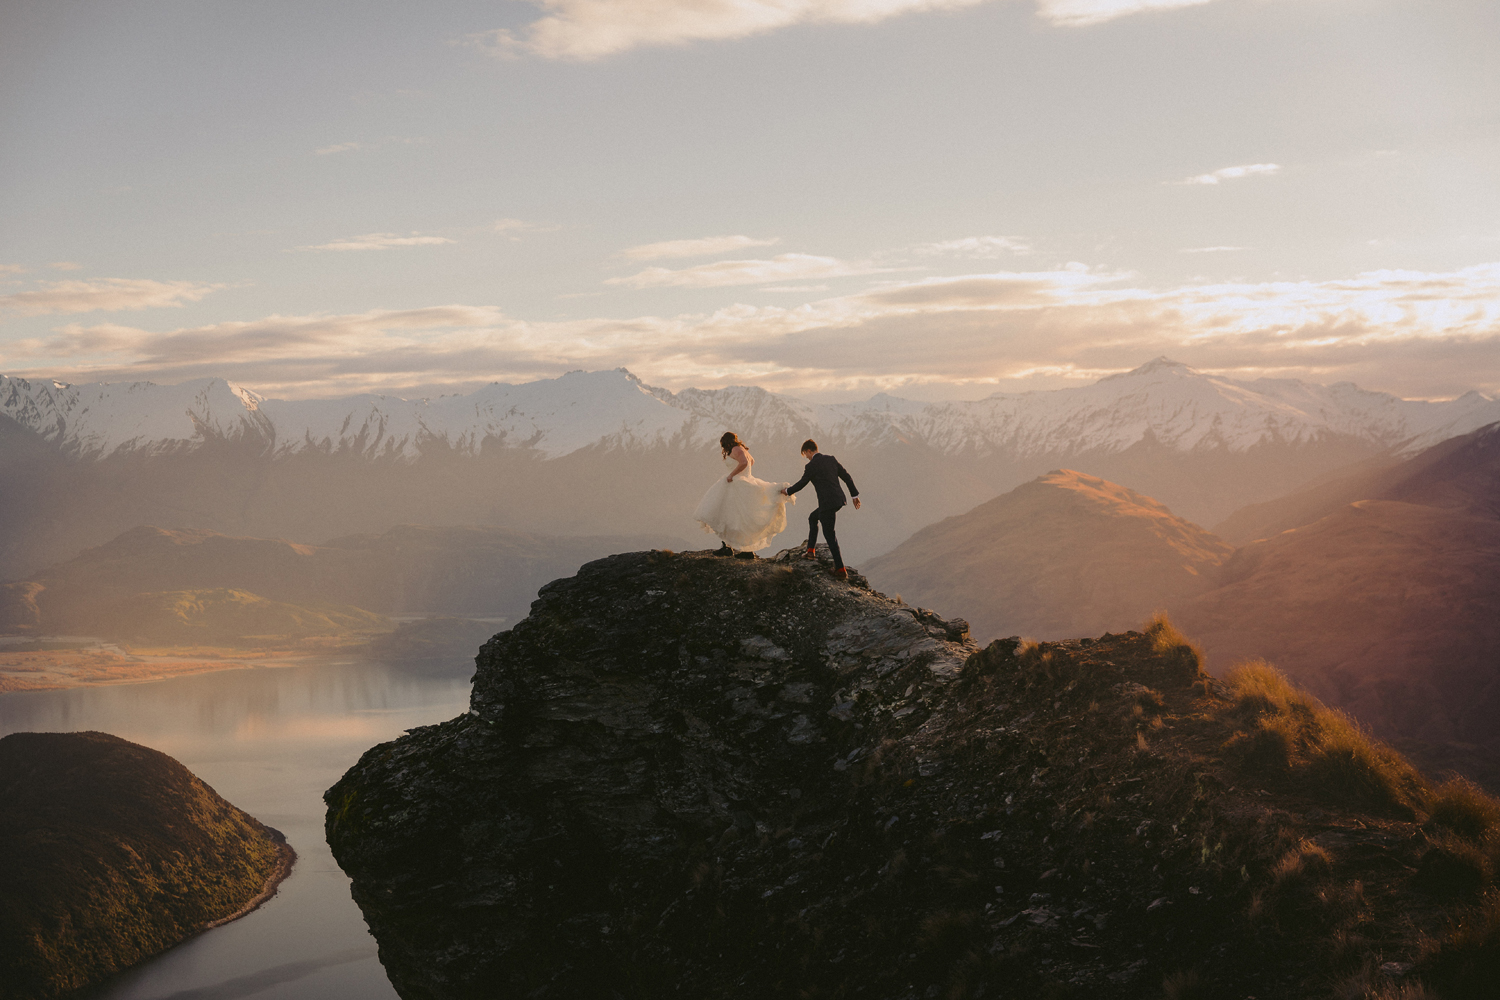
[739,451]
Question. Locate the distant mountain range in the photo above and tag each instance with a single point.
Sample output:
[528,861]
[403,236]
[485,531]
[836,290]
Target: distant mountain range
[1379,591]
[602,453]
[1162,400]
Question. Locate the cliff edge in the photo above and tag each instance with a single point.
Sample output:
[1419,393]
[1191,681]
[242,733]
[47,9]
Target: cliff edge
[701,777]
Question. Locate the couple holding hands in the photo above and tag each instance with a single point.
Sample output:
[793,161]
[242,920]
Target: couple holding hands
[746,512]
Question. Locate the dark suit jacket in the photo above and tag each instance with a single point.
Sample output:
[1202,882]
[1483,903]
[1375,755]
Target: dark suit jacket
[824,472]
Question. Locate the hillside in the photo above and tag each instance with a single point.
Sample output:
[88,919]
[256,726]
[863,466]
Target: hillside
[226,617]
[1461,473]
[409,569]
[114,852]
[1388,609]
[1066,554]
[81,464]
[691,776]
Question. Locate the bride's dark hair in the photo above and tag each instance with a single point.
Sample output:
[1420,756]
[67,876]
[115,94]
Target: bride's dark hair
[728,441]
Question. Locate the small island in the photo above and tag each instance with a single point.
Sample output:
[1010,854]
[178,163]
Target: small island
[115,852]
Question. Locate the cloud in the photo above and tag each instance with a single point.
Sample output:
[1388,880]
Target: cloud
[977,247]
[1234,173]
[349,147]
[109,294]
[590,29]
[704,247]
[1082,13]
[783,267]
[512,227]
[64,265]
[1209,249]
[582,30]
[1417,333]
[12,269]
[380,241]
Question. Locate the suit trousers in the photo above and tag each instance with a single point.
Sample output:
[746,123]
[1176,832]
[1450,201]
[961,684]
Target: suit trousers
[827,516]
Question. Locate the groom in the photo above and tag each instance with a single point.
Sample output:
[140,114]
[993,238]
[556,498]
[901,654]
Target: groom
[824,472]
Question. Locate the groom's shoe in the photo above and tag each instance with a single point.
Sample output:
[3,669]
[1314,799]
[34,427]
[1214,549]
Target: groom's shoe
[842,573]
[810,554]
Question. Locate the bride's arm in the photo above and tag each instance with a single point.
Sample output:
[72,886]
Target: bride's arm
[743,463]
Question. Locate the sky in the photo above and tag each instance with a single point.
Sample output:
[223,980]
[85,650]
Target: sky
[829,198]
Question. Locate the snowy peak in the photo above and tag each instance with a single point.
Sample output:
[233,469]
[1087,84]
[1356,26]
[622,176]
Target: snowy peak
[99,419]
[1161,365]
[1163,401]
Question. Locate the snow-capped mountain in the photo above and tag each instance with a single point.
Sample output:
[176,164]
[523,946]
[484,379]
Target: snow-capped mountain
[1163,401]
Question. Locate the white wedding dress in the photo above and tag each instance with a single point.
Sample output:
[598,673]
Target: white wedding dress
[746,513]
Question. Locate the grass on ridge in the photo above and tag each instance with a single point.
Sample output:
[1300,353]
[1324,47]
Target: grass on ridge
[1290,733]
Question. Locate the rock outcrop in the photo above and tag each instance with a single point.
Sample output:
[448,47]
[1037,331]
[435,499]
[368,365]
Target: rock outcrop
[114,852]
[690,776]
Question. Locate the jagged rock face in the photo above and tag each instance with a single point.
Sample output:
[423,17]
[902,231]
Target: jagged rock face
[649,708]
[700,777]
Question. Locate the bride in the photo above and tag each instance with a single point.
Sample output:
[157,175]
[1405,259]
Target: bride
[745,512]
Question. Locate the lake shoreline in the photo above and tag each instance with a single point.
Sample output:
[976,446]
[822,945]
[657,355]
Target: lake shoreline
[286,860]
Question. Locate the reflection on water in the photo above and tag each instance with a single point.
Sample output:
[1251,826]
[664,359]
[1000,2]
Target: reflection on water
[270,740]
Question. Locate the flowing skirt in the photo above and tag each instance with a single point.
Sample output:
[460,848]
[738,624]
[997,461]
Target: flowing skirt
[746,514]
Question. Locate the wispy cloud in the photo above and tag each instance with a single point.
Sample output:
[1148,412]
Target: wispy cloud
[350,147]
[1419,333]
[106,294]
[783,267]
[514,227]
[975,247]
[12,269]
[1233,173]
[64,265]
[1082,13]
[1209,249]
[706,246]
[591,29]
[380,241]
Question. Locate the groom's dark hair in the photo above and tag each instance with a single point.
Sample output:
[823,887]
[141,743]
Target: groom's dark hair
[809,445]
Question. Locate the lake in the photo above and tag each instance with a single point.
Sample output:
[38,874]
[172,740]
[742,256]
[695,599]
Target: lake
[269,740]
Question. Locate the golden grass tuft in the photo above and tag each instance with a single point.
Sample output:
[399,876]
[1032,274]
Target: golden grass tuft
[1290,732]
[1464,808]
[1181,659]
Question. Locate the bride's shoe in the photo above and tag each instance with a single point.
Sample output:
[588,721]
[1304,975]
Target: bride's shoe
[747,554]
[724,550]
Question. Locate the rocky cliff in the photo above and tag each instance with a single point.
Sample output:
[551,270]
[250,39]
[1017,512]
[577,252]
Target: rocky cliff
[114,852]
[699,777]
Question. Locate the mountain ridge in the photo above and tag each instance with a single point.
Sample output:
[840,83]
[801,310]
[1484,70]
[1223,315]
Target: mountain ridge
[1161,400]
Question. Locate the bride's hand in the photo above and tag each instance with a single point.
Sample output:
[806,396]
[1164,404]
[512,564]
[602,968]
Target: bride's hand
[728,479]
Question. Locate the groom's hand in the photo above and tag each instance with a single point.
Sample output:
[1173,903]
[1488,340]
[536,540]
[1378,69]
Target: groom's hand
[856,503]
